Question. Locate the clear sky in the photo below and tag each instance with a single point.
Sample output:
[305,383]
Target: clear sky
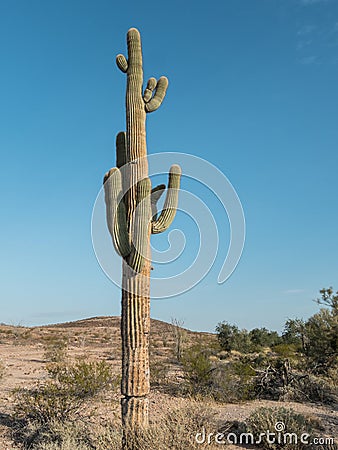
[253,90]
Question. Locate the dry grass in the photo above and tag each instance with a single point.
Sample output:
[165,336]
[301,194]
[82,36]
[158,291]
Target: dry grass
[174,430]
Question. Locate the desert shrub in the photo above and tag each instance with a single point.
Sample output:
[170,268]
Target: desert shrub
[46,403]
[82,379]
[66,444]
[276,378]
[19,333]
[285,350]
[311,388]
[55,349]
[175,430]
[197,369]
[158,373]
[290,424]
[232,382]
[223,382]
[332,375]
[56,435]
[62,396]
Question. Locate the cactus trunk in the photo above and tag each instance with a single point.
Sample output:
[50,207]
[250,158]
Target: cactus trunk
[131,218]
[135,318]
[135,328]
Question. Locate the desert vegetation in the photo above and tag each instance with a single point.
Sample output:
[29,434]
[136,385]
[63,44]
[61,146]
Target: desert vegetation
[299,364]
[62,390]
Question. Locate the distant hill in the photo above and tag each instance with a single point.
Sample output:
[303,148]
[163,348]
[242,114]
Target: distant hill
[100,331]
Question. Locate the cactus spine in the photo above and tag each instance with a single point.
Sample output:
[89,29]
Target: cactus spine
[131,208]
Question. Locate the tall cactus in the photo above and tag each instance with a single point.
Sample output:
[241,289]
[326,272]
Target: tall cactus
[131,209]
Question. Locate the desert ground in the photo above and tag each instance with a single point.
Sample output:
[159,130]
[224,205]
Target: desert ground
[24,361]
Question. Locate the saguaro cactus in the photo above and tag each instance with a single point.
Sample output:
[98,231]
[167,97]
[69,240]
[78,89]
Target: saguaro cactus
[131,207]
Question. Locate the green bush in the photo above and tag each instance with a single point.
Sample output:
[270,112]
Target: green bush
[197,369]
[82,379]
[285,350]
[221,381]
[62,396]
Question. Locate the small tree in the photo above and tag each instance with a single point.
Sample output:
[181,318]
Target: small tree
[294,333]
[230,337]
[262,337]
[329,298]
[322,335]
[225,335]
[317,338]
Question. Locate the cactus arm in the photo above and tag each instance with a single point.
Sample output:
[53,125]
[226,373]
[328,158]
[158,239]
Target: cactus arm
[121,149]
[148,92]
[140,226]
[157,99]
[122,63]
[121,160]
[116,212]
[156,194]
[168,212]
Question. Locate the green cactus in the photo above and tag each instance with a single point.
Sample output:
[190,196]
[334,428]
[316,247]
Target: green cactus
[168,213]
[131,211]
[116,212]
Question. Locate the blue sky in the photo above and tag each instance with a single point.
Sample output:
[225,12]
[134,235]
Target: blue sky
[253,90]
